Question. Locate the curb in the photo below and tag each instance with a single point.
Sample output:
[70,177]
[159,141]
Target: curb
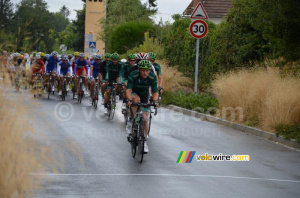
[243,128]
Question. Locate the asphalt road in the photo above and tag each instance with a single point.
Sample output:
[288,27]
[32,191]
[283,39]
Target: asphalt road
[108,169]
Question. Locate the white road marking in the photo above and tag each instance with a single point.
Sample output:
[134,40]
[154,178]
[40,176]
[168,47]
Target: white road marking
[168,175]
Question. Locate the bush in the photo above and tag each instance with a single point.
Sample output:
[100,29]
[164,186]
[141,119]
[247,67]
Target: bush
[128,35]
[289,131]
[267,99]
[191,100]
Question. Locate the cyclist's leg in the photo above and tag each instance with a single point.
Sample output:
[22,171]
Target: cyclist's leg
[84,80]
[92,86]
[118,80]
[107,94]
[145,99]
[135,99]
[77,80]
[61,81]
[68,78]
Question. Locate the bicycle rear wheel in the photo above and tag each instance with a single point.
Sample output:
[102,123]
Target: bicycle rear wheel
[96,93]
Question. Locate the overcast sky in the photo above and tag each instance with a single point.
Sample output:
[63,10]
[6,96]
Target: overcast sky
[166,8]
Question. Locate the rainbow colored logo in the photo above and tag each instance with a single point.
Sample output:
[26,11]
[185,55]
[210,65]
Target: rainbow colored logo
[186,157]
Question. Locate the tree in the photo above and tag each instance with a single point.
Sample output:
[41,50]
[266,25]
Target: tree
[42,47]
[65,11]
[37,12]
[129,35]
[118,14]
[58,21]
[78,27]
[6,14]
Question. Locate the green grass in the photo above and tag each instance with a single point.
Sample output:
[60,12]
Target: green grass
[289,131]
[191,101]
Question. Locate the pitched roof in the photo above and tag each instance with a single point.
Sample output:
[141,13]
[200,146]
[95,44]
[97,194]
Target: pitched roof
[213,8]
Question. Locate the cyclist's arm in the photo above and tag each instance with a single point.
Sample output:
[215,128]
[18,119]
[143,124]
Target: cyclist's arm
[70,69]
[100,76]
[129,88]
[122,71]
[160,80]
[154,89]
[75,67]
[58,69]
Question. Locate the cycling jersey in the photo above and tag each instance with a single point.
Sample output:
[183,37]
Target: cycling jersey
[114,71]
[96,69]
[80,66]
[65,68]
[51,64]
[141,86]
[103,68]
[157,68]
[40,66]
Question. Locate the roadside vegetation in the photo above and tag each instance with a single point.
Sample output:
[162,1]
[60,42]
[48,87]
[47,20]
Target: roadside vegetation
[270,100]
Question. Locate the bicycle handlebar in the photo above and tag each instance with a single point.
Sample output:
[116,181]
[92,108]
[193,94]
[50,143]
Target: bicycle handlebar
[145,105]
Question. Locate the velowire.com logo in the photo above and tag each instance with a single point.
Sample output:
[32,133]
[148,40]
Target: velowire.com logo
[187,157]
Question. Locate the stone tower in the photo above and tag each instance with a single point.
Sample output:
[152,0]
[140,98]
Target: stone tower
[95,10]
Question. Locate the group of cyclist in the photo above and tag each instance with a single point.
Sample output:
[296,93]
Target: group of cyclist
[139,77]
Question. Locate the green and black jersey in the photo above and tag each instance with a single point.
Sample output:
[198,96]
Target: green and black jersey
[157,68]
[114,71]
[141,86]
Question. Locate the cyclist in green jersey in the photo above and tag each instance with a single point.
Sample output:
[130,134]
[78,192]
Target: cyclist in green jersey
[130,63]
[138,91]
[114,73]
[157,70]
[103,73]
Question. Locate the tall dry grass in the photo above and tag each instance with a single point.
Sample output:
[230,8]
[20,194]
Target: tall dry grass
[173,80]
[21,154]
[267,99]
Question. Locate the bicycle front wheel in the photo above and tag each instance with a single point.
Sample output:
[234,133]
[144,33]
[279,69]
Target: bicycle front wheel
[141,140]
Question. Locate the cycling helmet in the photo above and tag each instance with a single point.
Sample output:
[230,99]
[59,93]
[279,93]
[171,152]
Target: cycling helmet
[123,60]
[152,55]
[81,55]
[114,56]
[107,55]
[98,56]
[38,56]
[54,53]
[64,57]
[142,56]
[42,54]
[76,53]
[16,55]
[47,55]
[131,56]
[145,64]
[70,56]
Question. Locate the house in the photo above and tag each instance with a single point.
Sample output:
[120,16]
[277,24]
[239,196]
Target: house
[215,9]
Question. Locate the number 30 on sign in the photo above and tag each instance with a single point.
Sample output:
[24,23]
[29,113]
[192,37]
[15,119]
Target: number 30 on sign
[198,29]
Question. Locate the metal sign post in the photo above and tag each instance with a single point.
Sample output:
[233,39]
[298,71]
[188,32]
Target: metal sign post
[196,66]
[198,29]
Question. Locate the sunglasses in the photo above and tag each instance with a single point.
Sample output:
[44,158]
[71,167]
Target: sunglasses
[131,60]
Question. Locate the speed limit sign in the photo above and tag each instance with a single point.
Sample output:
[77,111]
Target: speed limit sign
[198,29]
